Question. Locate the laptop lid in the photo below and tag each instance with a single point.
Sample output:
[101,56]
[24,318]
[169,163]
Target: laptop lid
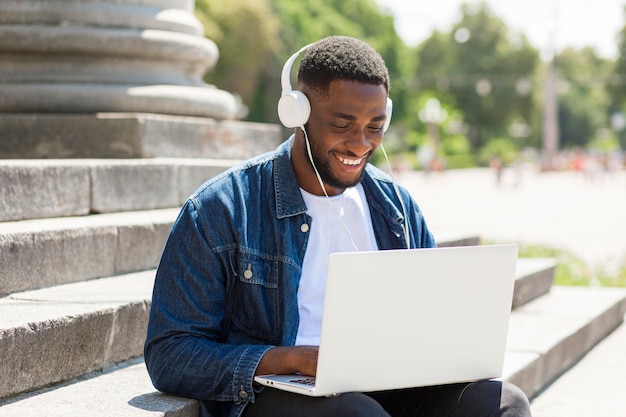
[407,318]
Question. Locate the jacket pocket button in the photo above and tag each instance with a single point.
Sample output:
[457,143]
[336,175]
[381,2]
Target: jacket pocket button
[247,274]
[304,228]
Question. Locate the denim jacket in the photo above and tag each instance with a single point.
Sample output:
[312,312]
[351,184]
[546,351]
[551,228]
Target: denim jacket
[227,283]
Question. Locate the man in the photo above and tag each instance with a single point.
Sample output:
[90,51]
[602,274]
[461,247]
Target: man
[239,288]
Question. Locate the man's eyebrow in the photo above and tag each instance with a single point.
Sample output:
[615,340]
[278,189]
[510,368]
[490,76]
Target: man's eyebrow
[344,116]
[350,117]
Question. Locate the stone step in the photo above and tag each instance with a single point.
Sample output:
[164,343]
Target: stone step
[548,335]
[592,387]
[454,238]
[46,252]
[534,277]
[58,333]
[581,315]
[119,134]
[37,189]
[121,391]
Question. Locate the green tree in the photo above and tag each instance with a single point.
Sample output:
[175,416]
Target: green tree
[245,32]
[583,99]
[486,70]
[616,84]
[305,21]
[255,38]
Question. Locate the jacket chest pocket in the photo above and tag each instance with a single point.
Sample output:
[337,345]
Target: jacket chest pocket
[255,298]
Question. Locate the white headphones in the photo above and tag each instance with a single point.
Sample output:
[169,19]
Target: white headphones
[294,107]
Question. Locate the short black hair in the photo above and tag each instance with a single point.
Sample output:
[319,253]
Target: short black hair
[341,57]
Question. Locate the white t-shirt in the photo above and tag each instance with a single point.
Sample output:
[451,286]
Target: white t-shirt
[328,235]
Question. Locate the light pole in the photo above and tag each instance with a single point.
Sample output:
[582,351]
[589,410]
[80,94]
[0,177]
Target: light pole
[432,114]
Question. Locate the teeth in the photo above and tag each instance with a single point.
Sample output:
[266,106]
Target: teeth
[351,161]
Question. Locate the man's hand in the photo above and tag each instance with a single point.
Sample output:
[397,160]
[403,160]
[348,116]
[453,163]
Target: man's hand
[289,360]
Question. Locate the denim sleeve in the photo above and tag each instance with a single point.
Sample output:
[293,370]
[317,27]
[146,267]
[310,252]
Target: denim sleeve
[185,352]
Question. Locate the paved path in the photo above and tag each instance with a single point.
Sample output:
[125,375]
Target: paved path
[560,209]
[594,387]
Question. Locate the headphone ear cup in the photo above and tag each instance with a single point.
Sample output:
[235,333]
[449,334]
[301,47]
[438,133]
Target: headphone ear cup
[388,111]
[294,109]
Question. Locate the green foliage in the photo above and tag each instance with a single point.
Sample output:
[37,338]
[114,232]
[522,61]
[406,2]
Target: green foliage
[460,161]
[244,54]
[456,151]
[604,142]
[480,71]
[305,21]
[616,85]
[484,71]
[502,148]
[455,145]
[583,99]
[572,270]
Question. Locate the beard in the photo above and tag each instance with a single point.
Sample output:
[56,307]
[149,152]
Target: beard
[322,163]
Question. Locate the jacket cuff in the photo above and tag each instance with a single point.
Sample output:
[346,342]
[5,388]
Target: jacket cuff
[243,377]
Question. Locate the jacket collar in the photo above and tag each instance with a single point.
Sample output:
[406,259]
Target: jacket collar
[289,201]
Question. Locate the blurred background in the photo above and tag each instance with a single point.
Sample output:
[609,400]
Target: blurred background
[508,90]
[473,83]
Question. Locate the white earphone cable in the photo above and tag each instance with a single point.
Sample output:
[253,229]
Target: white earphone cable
[395,188]
[319,179]
[393,181]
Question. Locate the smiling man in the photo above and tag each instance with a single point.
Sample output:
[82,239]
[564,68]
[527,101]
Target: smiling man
[240,287]
[346,122]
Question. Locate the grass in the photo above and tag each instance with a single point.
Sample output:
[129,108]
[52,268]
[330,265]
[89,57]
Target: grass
[572,270]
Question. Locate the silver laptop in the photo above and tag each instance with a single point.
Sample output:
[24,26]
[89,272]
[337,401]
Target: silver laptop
[408,318]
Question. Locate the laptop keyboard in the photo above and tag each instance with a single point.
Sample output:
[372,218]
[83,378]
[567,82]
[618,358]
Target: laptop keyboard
[305,381]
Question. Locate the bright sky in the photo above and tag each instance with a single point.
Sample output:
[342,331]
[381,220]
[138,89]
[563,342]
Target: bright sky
[575,23]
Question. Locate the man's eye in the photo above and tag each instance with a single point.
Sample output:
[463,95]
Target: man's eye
[340,126]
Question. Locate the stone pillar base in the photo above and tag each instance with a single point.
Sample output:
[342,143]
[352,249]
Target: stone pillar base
[131,135]
[204,101]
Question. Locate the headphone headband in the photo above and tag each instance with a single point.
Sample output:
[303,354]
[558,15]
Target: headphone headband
[294,107]
[285,79]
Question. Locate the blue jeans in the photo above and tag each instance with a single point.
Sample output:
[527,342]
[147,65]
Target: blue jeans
[478,399]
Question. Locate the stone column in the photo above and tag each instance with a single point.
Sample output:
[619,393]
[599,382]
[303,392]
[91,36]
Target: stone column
[69,67]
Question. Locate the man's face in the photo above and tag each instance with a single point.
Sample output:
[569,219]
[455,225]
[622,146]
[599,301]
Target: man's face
[344,129]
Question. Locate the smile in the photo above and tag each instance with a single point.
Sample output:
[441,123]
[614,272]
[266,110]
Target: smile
[351,162]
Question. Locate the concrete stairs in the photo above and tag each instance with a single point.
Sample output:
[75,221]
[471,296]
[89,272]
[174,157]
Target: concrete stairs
[79,241]
[593,387]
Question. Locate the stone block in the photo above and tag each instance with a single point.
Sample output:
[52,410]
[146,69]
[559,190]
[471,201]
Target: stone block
[132,135]
[192,174]
[243,140]
[451,238]
[38,354]
[132,185]
[42,258]
[534,279]
[59,333]
[29,136]
[35,189]
[197,137]
[124,390]
[43,253]
[129,332]
[557,329]
[140,245]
